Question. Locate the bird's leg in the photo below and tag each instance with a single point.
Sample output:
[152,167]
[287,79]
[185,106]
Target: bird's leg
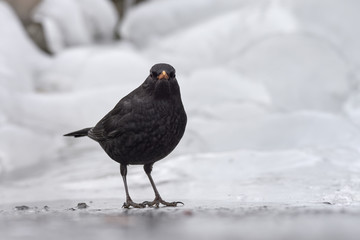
[129,202]
[158,199]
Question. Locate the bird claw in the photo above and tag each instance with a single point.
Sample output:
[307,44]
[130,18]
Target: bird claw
[157,201]
[130,203]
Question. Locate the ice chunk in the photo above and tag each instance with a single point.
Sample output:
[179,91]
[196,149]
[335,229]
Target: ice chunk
[300,72]
[212,86]
[20,60]
[90,68]
[85,22]
[167,17]
[100,18]
[326,20]
[271,132]
[72,25]
[216,41]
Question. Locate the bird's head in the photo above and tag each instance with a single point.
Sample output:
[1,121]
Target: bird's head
[162,80]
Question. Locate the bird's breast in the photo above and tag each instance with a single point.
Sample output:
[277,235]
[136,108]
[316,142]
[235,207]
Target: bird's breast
[150,133]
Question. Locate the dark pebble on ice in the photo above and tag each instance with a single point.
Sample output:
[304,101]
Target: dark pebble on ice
[82,206]
[46,208]
[22,208]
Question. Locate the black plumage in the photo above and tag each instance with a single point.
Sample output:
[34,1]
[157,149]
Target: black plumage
[144,127]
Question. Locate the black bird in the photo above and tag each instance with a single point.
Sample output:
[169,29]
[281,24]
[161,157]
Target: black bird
[144,127]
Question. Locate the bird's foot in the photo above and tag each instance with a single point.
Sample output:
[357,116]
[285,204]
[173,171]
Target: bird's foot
[129,203]
[158,200]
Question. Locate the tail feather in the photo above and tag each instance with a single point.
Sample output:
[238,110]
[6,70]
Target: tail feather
[79,133]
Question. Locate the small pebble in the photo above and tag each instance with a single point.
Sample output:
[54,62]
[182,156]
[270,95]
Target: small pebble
[82,206]
[22,208]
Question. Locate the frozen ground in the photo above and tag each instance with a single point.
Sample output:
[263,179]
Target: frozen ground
[103,219]
[271,89]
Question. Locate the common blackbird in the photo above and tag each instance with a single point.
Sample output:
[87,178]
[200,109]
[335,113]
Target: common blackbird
[144,127]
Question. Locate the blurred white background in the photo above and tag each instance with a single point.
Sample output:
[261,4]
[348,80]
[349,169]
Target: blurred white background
[271,88]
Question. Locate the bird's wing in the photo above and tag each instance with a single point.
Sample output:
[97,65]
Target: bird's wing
[113,123]
[109,125]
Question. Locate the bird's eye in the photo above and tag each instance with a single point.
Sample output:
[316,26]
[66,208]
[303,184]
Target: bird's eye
[153,74]
[172,74]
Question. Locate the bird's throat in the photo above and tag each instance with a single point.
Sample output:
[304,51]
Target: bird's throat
[162,89]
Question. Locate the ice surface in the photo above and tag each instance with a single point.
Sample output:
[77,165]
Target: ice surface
[207,222]
[270,88]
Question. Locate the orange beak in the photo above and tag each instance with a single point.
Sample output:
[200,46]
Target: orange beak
[163,75]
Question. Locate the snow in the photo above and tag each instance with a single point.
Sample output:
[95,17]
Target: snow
[234,31]
[24,62]
[20,64]
[167,17]
[271,95]
[90,68]
[100,18]
[85,22]
[287,71]
[331,21]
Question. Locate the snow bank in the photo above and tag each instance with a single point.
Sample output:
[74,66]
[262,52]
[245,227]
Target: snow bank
[85,22]
[167,17]
[333,21]
[262,131]
[20,61]
[89,68]
[300,72]
[100,19]
[222,38]
[70,27]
